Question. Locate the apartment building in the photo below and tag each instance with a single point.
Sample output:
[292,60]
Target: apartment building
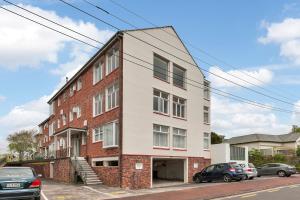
[132,113]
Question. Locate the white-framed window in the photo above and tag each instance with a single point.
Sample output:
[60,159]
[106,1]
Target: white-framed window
[179,107]
[111,135]
[98,104]
[160,136]
[160,68]
[112,60]
[179,138]
[105,162]
[206,114]
[79,84]
[98,134]
[72,89]
[206,141]
[64,119]
[65,96]
[71,116]
[78,111]
[51,129]
[97,72]
[58,102]
[58,123]
[51,108]
[83,139]
[179,76]
[112,96]
[206,90]
[160,101]
[62,143]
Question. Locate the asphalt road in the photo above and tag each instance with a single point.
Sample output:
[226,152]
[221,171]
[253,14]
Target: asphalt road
[291,192]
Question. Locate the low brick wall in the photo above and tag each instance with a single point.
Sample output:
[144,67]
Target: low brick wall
[62,168]
[108,175]
[196,164]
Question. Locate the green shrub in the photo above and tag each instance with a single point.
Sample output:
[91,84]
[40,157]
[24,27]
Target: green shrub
[279,158]
[298,152]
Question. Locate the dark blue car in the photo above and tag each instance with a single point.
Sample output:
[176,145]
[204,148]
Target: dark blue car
[223,171]
[19,183]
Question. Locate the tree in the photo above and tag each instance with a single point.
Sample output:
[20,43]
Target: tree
[216,138]
[296,129]
[256,157]
[22,143]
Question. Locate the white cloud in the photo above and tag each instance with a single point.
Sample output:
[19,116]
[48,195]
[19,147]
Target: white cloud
[236,118]
[33,44]
[296,114]
[264,76]
[287,35]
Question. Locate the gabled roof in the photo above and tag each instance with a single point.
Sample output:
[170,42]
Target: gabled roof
[119,33]
[284,138]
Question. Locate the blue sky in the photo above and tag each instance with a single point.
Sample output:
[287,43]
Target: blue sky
[257,37]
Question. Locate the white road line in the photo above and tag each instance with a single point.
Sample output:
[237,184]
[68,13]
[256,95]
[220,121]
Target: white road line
[256,192]
[103,193]
[44,196]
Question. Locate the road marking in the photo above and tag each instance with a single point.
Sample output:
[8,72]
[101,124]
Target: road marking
[293,186]
[44,196]
[260,191]
[94,190]
[248,196]
[274,190]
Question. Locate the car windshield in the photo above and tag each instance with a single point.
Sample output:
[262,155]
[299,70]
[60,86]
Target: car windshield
[236,166]
[251,165]
[16,173]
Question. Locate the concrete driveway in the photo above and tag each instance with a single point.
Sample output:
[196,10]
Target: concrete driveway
[59,191]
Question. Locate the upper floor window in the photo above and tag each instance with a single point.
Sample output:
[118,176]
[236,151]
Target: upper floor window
[71,115]
[72,89]
[161,68]
[160,136]
[179,107]
[178,76]
[58,102]
[79,84]
[112,96]
[179,138]
[98,72]
[65,96]
[51,108]
[206,141]
[98,134]
[206,114]
[58,123]
[51,129]
[112,60]
[98,103]
[160,101]
[111,135]
[206,90]
[64,119]
[77,111]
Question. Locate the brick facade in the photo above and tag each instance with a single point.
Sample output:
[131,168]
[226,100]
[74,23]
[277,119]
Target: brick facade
[108,175]
[196,164]
[133,178]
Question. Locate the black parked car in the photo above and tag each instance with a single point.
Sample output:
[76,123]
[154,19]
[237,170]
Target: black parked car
[223,171]
[279,169]
[19,183]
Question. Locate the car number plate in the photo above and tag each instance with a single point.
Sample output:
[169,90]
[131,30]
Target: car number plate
[13,185]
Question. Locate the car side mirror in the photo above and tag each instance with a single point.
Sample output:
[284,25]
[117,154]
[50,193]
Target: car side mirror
[39,175]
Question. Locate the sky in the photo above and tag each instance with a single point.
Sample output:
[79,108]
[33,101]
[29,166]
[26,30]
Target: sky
[256,38]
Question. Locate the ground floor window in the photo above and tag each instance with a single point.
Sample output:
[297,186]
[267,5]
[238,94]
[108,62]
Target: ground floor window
[105,162]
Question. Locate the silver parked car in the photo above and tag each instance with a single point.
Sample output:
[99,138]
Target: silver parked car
[249,170]
[282,170]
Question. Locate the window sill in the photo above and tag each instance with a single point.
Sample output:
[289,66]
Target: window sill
[95,142]
[162,148]
[94,116]
[95,83]
[206,99]
[179,149]
[110,147]
[159,113]
[183,88]
[206,123]
[108,110]
[184,119]
[166,81]
[106,74]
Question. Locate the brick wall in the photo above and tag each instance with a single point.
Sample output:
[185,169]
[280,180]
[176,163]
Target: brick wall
[108,175]
[202,162]
[42,168]
[63,171]
[133,178]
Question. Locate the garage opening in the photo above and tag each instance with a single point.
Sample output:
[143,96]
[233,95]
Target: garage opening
[166,172]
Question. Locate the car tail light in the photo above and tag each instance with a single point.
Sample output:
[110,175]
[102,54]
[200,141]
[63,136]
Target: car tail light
[249,170]
[36,183]
[232,169]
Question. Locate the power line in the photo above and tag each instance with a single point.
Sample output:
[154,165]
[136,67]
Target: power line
[225,94]
[113,26]
[200,50]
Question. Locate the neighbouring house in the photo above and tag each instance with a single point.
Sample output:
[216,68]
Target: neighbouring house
[127,125]
[269,144]
[225,153]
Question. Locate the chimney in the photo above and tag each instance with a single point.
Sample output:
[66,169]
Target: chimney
[67,79]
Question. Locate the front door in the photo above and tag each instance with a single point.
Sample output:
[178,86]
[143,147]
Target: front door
[76,147]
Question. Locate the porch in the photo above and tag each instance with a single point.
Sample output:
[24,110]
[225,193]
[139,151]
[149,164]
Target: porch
[69,143]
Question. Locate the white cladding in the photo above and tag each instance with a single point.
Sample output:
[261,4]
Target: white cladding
[138,84]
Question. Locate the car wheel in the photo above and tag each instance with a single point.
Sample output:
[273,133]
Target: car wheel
[37,198]
[288,175]
[251,178]
[281,173]
[198,179]
[246,177]
[227,178]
